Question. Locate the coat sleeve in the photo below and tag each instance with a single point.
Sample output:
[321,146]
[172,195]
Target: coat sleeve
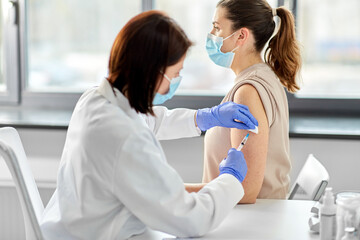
[172,124]
[154,192]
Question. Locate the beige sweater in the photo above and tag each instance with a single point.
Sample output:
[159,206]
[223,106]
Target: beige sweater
[278,165]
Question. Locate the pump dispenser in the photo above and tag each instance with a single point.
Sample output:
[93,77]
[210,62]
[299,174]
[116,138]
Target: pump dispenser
[328,216]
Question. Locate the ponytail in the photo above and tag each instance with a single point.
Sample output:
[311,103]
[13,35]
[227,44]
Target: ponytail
[283,52]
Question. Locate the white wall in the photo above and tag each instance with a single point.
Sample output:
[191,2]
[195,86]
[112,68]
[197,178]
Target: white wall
[340,157]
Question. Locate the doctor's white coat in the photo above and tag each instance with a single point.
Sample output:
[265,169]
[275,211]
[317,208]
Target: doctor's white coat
[114,179]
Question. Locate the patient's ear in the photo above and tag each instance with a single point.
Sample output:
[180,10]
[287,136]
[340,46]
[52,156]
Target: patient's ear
[243,36]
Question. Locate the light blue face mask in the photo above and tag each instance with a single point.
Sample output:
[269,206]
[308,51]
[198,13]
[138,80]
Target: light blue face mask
[213,48]
[174,84]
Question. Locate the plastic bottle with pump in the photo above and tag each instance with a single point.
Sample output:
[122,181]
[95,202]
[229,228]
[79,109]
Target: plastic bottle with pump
[328,216]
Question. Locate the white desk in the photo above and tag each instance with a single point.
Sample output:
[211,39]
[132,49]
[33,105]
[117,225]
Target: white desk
[267,219]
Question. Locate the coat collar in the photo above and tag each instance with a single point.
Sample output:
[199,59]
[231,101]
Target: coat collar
[114,96]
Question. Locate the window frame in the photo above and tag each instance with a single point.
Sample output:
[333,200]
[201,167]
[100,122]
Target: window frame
[18,95]
[331,106]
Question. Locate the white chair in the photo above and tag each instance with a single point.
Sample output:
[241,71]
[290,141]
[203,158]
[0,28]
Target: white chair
[12,151]
[311,181]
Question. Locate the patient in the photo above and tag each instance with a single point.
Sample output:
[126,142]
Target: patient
[241,29]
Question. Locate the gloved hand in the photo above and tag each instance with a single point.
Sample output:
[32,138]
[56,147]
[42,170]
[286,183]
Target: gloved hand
[224,115]
[234,164]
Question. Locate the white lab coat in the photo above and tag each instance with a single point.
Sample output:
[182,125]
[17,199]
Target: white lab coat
[114,179]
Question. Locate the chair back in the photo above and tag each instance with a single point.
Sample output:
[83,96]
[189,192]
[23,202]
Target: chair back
[311,181]
[12,151]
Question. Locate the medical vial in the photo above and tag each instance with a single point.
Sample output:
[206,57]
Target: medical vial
[347,213]
[328,216]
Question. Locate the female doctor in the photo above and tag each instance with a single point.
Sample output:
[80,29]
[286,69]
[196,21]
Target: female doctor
[113,179]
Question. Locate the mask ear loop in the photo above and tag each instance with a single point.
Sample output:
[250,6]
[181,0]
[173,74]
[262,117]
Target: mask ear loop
[229,36]
[165,76]
[235,47]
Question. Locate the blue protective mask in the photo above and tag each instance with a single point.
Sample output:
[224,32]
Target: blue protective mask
[174,84]
[213,48]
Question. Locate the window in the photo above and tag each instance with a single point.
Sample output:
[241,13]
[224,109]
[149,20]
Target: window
[329,32]
[68,42]
[2,57]
[9,62]
[330,38]
[65,45]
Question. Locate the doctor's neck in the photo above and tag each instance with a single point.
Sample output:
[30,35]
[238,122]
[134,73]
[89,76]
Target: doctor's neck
[245,60]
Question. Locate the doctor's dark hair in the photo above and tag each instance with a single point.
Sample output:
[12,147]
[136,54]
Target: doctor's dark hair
[283,52]
[144,47]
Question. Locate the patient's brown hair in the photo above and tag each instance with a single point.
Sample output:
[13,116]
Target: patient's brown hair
[283,52]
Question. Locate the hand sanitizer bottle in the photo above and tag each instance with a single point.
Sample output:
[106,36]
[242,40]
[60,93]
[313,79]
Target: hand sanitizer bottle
[328,216]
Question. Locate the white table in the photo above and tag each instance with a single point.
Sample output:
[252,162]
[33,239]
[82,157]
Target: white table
[266,219]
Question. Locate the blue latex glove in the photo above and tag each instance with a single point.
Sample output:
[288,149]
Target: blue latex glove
[234,164]
[224,115]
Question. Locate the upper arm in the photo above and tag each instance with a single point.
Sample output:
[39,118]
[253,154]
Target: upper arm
[172,124]
[255,150]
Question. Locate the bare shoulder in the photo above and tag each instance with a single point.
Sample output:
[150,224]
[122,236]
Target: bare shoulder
[248,95]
